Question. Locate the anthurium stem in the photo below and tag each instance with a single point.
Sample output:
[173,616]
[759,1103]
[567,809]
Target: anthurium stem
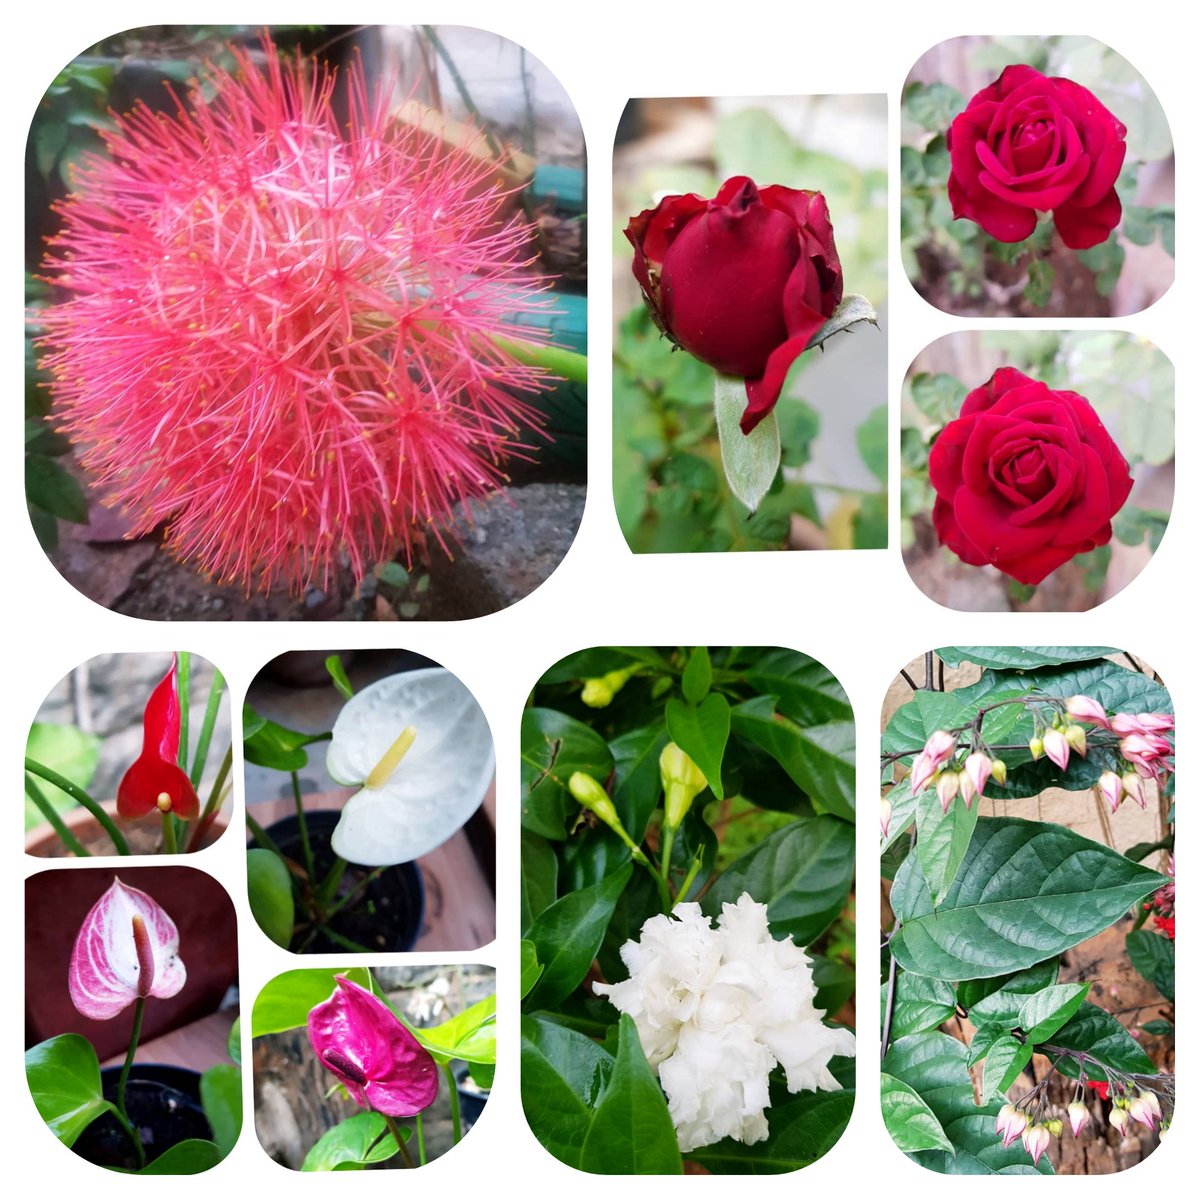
[170,846]
[420,1139]
[404,1154]
[211,711]
[363,883]
[77,793]
[329,885]
[184,683]
[213,804]
[455,1114]
[138,1007]
[59,826]
[262,837]
[304,842]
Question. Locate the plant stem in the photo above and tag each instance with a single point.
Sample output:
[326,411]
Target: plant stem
[183,679]
[77,793]
[262,837]
[404,1154]
[687,881]
[346,943]
[455,1115]
[307,848]
[170,846]
[461,85]
[664,857]
[213,804]
[329,885]
[558,360]
[211,711]
[420,1139]
[888,1008]
[364,882]
[59,826]
[133,1045]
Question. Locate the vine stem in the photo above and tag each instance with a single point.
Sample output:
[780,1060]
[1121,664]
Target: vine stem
[889,1008]
[138,1008]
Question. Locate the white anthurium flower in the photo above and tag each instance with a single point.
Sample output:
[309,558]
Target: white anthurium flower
[420,748]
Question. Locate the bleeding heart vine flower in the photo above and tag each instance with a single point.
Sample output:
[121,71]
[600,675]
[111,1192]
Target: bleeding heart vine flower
[127,949]
[419,747]
[156,783]
[376,1057]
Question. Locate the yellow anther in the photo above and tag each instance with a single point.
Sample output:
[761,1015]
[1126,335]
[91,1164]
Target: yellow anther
[382,771]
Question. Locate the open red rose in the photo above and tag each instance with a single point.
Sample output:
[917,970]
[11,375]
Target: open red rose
[742,281]
[1029,143]
[1026,478]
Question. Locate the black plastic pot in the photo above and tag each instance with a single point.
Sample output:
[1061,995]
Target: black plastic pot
[385,916]
[471,1100]
[163,1103]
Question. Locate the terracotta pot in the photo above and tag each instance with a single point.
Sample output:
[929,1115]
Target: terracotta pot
[144,837]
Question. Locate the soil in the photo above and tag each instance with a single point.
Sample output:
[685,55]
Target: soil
[143,837]
[163,1104]
[387,915]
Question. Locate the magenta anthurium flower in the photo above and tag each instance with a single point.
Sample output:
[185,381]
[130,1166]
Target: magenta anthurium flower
[364,1043]
[156,782]
[127,949]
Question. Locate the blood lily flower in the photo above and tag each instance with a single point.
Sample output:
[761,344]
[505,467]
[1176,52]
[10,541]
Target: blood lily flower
[156,783]
[126,949]
[378,1060]
[418,746]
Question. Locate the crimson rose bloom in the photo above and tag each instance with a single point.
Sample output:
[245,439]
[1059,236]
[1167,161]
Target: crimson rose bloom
[1026,478]
[742,281]
[1029,143]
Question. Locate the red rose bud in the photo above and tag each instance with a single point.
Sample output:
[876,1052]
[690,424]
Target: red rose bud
[1028,144]
[1084,708]
[378,1060]
[743,281]
[1058,749]
[1026,478]
[156,782]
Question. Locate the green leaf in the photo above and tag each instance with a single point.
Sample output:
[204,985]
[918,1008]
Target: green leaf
[221,1097]
[697,675]
[553,747]
[631,1132]
[835,982]
[563,1074]
[635,760]
[851,310]
[285,1001]
[942,840]
[913,722]
[1047,1011]
[1102,1036]
[818,758]
[351,1144]
[190,1157]
[701,731]
[908,1119]
[904,811]
[1040,286]
[1006,1059]
[934,1065]
[872,436]
[1158,1028]
[531,969]
[1026,891]
[939,397]
[568,934]
[469,1036]
[750,460]
[337,672]
[270,892]
[67,750]
[804,1127]
[919,1003]
[802,872]
[804,689]
[1153,957]
[233,1046]
[998,1000]
[268,744]
[54,489]
[1022,658]
[932,105]
[539,877]
[63,1074]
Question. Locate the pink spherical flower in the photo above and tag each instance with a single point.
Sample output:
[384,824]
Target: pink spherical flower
[277,332]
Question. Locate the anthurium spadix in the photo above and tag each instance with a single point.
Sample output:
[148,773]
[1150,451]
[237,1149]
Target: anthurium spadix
[127,949]
[419,748]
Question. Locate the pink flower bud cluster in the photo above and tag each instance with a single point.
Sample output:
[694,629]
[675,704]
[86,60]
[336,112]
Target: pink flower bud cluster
[1145,752]
[937,764]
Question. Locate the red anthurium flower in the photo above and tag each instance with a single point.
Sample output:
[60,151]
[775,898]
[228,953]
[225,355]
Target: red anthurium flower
[127,949]
[156,782]
[370,1050]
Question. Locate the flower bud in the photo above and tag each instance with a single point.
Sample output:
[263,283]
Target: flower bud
[1131,784]
[1084,708]
[979,768]
[1076,737]
[1140,1110]
[1151,1099]
[594,798]
[682,782]
[599,693]
[1011,1123]
[1110,788]
[1036,747]
[922,773]
[947,789]
[1079,1116]
[1118,1119]
[885,817]
[1035,1139]
[940,746]
[1000,771]
[1058,749]
[1054,1125]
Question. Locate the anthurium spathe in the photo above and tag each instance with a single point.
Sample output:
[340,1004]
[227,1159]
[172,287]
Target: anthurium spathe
[126,949]
[419,747]
[156,783]
[378,1060]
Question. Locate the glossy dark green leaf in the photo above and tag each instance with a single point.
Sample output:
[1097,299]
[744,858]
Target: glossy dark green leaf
[818,758]
[1102,1036]
[701,731]
[567,935]
[284,1002]
[934,1065]
[531,969]
[54,489]
[802,873]
[190,1157]
[697,675]
[631,1132]
[908,1119]
[269,886]
[1026,891]
[904,811]
[553,747]
[804,689]
[63,1074]
[942,840]
[1022,658]
[221,1097]
[913,722]
[1153,957]
[268,744]
[835,982]
[233,1045]
[638,789]
[919,1003]
[998,1000]
[1007,1057]
[351,1144]
[1158,1028]
[638,902]
[1047,1011]
[804,1126]
[337,673]
[539,877]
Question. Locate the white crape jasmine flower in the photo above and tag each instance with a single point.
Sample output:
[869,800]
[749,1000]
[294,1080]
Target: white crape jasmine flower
[716,1010]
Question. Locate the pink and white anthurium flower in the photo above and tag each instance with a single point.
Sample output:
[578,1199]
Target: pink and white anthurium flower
[126,949]
[418,746]
[378,1060]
